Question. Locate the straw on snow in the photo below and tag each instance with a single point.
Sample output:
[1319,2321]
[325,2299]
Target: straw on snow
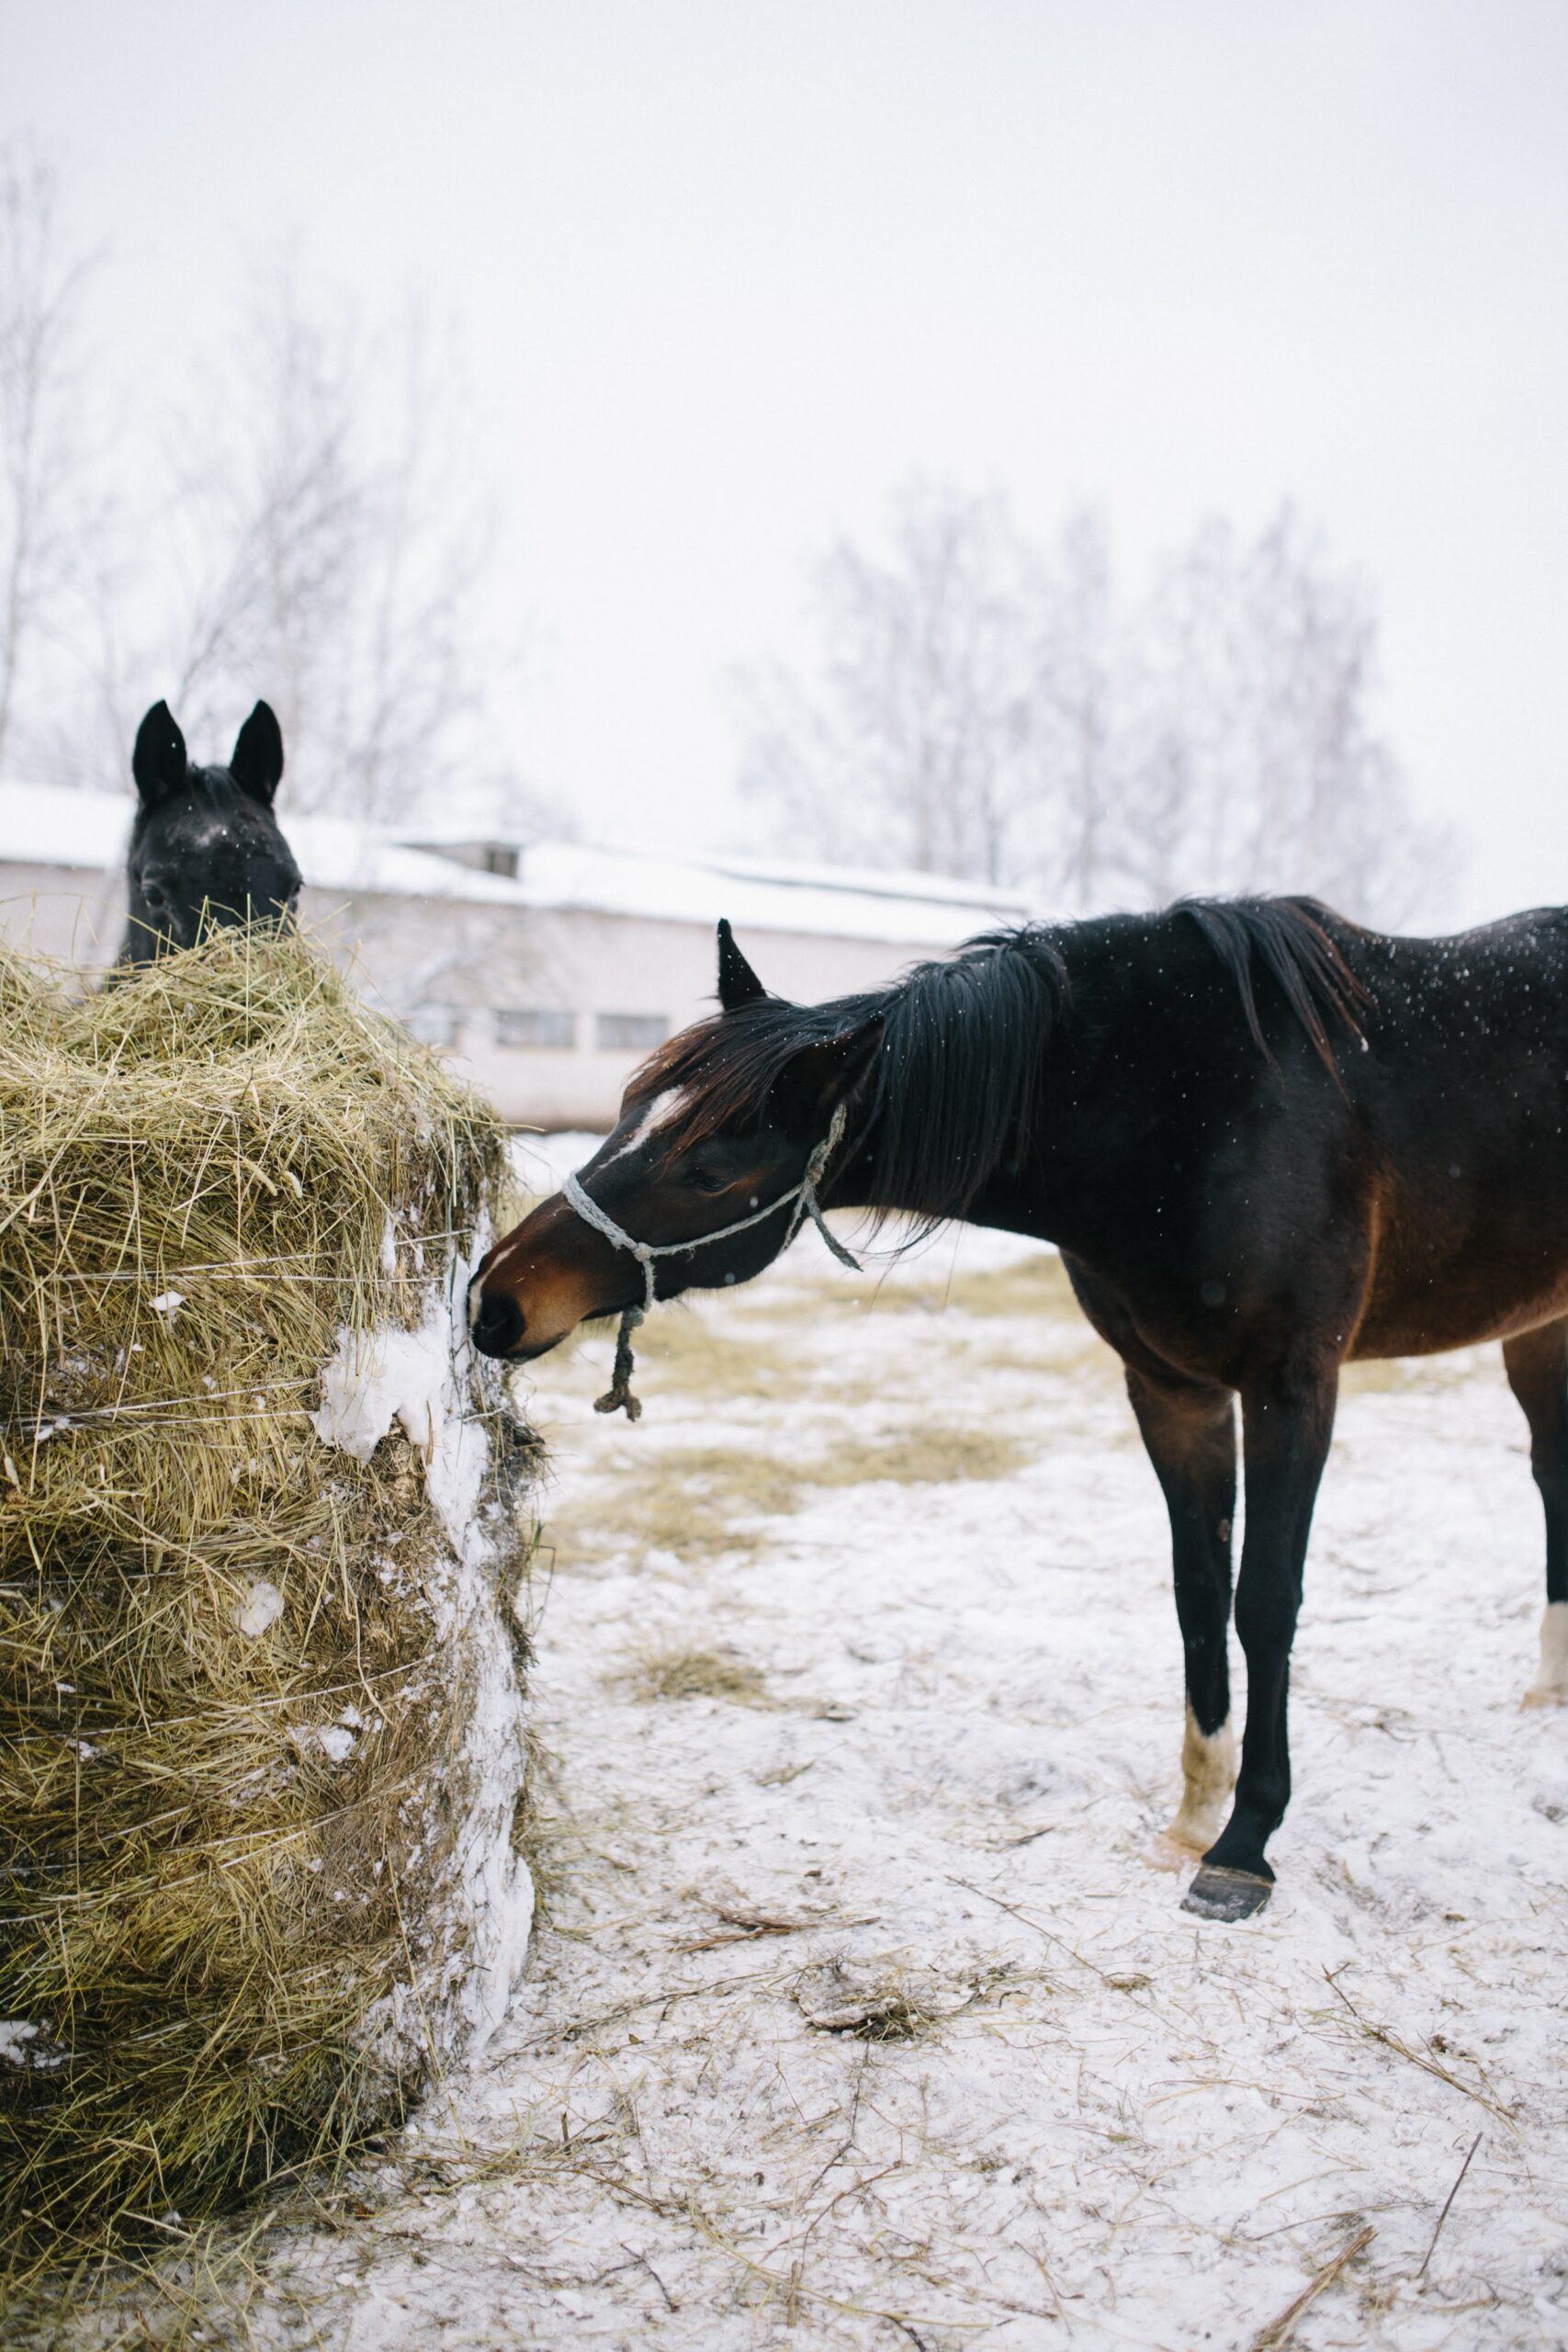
[260,1733]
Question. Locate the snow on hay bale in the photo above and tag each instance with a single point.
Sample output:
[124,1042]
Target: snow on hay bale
[261,1739]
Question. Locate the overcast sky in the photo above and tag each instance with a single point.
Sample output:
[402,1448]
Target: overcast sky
[730,270]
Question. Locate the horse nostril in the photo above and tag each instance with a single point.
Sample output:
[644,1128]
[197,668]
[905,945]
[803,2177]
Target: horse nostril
[498,1326]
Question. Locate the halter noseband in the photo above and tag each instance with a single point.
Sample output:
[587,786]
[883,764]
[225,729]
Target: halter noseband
[804,1196]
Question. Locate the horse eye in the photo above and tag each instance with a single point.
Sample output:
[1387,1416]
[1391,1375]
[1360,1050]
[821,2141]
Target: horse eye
[704,1178]
[154,898]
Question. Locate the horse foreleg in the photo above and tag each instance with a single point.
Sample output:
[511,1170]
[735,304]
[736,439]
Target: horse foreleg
[1287,1421]
[1536,1366]
[1189,1431]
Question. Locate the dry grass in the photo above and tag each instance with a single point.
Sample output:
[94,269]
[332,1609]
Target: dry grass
[690,1500]
[697,1674]
[928,1284]
[918,1457]
[884,2005]
[682,1350]
[693,1500]
[221,1704]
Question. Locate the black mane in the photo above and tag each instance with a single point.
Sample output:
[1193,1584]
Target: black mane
[951,1085]
[1289,937]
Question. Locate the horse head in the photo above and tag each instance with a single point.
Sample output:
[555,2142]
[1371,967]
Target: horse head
[205,850]
[700,1182]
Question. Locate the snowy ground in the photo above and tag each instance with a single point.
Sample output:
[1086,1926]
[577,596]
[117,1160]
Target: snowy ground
[857,2018]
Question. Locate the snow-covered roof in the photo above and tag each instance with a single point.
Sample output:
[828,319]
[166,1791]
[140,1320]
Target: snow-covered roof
[51,825]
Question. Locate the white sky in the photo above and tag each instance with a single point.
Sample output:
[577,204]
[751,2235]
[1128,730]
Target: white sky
[730,269]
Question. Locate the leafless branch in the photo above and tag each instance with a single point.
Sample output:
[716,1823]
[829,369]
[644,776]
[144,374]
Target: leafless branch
[982,706]
[42,288]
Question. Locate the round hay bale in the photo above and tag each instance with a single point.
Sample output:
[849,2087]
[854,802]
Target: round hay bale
[261,1551]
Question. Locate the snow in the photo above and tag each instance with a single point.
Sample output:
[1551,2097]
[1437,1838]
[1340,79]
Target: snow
[420,1380]
[947,1734]
[50,825]
[412,1378]
[261,1608]
[900,910]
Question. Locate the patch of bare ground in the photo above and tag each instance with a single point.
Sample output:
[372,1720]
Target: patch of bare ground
[691,1501]
[922,1456]
[680,1351]
[685,1501]
[1034,1285]
[696,1674]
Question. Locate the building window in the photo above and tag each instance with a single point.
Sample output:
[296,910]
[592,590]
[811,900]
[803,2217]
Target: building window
[535,1027]
[629,1033]
[498,859]
[432,1024]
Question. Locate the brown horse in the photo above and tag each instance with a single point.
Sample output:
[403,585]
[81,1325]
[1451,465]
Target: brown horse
[1265,1141]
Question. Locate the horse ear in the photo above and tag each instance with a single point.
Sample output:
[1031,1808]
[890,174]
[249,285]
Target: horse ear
[257,761]
[814,1081]
[159,762]
[738,983]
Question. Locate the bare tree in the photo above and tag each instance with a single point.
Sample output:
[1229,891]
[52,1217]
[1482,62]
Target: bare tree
[42,288]
[910,743]
[1252,759]
[313,533]
[322,541]
[981,706]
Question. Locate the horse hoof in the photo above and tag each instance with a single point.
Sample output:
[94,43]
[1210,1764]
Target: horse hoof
[1220,1894]
[1547,1696]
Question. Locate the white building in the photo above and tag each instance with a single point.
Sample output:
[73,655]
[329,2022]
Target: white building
[545,969]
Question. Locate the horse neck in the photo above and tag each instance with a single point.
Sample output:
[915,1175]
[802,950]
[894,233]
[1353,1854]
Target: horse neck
[1096,1053]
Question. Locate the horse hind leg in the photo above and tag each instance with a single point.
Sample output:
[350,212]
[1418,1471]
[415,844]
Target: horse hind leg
[1536,1366]
[1190,1432]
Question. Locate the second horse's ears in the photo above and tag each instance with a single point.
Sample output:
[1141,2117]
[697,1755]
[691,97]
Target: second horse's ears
[257,761]
[159,762]
[738,983]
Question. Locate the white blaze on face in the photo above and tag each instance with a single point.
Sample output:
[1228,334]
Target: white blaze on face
[1550,1688]
[659,1112]
[1207,1773]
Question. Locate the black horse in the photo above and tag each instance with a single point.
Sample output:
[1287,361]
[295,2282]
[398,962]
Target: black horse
[1264,1140]
[205,850]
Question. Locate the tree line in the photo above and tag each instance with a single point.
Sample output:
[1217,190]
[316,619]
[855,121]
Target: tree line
[975,701]
[972,700]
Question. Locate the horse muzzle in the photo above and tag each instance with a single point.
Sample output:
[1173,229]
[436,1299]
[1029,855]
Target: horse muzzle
[539,1284]
[496,1323]
[498,1326]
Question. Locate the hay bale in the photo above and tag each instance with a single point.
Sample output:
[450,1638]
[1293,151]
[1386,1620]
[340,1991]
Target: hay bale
[261,1739]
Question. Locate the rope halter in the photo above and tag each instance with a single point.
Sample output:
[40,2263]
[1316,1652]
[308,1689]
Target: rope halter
[618,1396]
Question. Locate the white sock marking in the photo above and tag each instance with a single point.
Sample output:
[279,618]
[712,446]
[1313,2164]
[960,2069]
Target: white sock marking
[1552,1679]
[1207,1773]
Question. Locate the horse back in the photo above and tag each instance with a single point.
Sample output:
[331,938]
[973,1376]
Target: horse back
[1460,1130]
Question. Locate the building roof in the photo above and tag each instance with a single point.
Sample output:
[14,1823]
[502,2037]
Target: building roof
[53,825]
